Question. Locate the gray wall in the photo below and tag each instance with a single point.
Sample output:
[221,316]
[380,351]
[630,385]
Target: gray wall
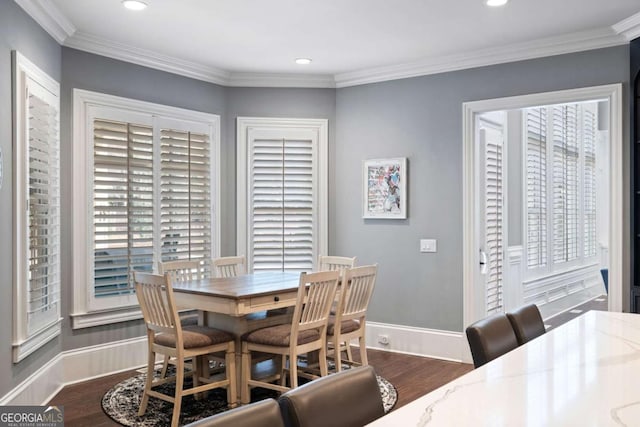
[281,103]
[421,118]
[17,32]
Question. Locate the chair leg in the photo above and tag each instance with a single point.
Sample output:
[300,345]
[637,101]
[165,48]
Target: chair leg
[349,354]
[337,354]
[230,362]
[363,351]
[324,370]
[280,368]
[147,385]
[165,366]
[293,369]
[177,403]
[245,392]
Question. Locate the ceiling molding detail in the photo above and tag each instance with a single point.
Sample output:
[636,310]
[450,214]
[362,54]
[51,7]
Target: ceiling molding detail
[281,80]
[629,28]
[575,42]
[45,13]
[147,58]
[49,17]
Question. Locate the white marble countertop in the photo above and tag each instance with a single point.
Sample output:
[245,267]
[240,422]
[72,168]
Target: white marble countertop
[584,373]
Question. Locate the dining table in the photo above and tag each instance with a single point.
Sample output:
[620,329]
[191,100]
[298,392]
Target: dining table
[241,303]
[583,373]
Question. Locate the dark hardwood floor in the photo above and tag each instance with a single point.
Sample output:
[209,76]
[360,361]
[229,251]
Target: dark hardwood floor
[412,376]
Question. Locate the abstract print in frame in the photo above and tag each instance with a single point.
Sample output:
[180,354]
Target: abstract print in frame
[385,184]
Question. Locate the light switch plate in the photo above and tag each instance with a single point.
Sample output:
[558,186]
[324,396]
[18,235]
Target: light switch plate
[428,245]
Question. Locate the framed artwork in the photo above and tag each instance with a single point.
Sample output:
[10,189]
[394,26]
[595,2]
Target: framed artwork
[385,188]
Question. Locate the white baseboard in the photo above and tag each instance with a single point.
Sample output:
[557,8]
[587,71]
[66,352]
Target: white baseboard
[432,343]
[78,365]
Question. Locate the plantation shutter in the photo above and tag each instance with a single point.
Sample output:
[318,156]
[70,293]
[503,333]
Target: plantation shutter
[123,204]
[589,183]
[43,215]
[536,198]
[565,183]
[185,195]
[493,208]
[282,192]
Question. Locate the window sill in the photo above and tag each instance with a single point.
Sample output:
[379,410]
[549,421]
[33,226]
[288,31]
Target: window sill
[99,318]
[24,348]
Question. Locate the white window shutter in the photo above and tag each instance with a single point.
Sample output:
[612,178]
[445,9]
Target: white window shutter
[282,204]
[536,197]
[43,213]
[123,205]
[589,183]
[185,195]
[565,183]
[493,207]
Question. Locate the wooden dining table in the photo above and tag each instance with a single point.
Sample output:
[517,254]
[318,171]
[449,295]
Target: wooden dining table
[240,304]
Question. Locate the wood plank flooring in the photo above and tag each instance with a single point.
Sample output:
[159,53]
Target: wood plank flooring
[412,376]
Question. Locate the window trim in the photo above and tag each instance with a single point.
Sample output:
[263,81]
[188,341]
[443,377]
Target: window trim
[25,343]
[244,126]
[81,314]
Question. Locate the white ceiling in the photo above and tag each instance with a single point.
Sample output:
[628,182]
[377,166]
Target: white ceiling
[350,41]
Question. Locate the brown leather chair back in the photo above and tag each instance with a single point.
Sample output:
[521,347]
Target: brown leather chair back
[265,413]
[346,399]
[490,338]
[527,323]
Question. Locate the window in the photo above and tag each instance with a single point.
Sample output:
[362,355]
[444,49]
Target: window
[561,207]
[150,170]
[282,197]
[37,208]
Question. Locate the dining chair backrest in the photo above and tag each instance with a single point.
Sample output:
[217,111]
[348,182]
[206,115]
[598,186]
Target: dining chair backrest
[229,266]
[316,293]
[155,296]
[527,323]
[331,263]
[490,338]
[181,271]
[345,399]
[355,292]
[265,413]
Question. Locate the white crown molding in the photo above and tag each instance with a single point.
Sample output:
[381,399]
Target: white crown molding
[49,17]
[629,28]
[574,42]
[281,80]
[56,24]
[147,58]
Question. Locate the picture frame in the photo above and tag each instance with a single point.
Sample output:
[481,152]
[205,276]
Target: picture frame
[385,188]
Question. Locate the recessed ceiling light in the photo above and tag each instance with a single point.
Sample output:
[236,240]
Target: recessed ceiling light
[303,61]
[134,4]
[496,2]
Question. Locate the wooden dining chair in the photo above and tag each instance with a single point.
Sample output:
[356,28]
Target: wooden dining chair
[165,335]
[229,266]
[331,263]
[349,321]
[306,333]
[181,271]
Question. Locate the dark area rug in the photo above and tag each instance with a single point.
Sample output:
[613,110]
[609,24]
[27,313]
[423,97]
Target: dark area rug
[121,402]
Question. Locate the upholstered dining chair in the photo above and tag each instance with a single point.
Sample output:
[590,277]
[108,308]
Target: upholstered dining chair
[165,335]
[265,413]
[180,271]
[229,266]
[331,263]
[345,399]
[490,338]
[349,321]
[527,323]
[306,333]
